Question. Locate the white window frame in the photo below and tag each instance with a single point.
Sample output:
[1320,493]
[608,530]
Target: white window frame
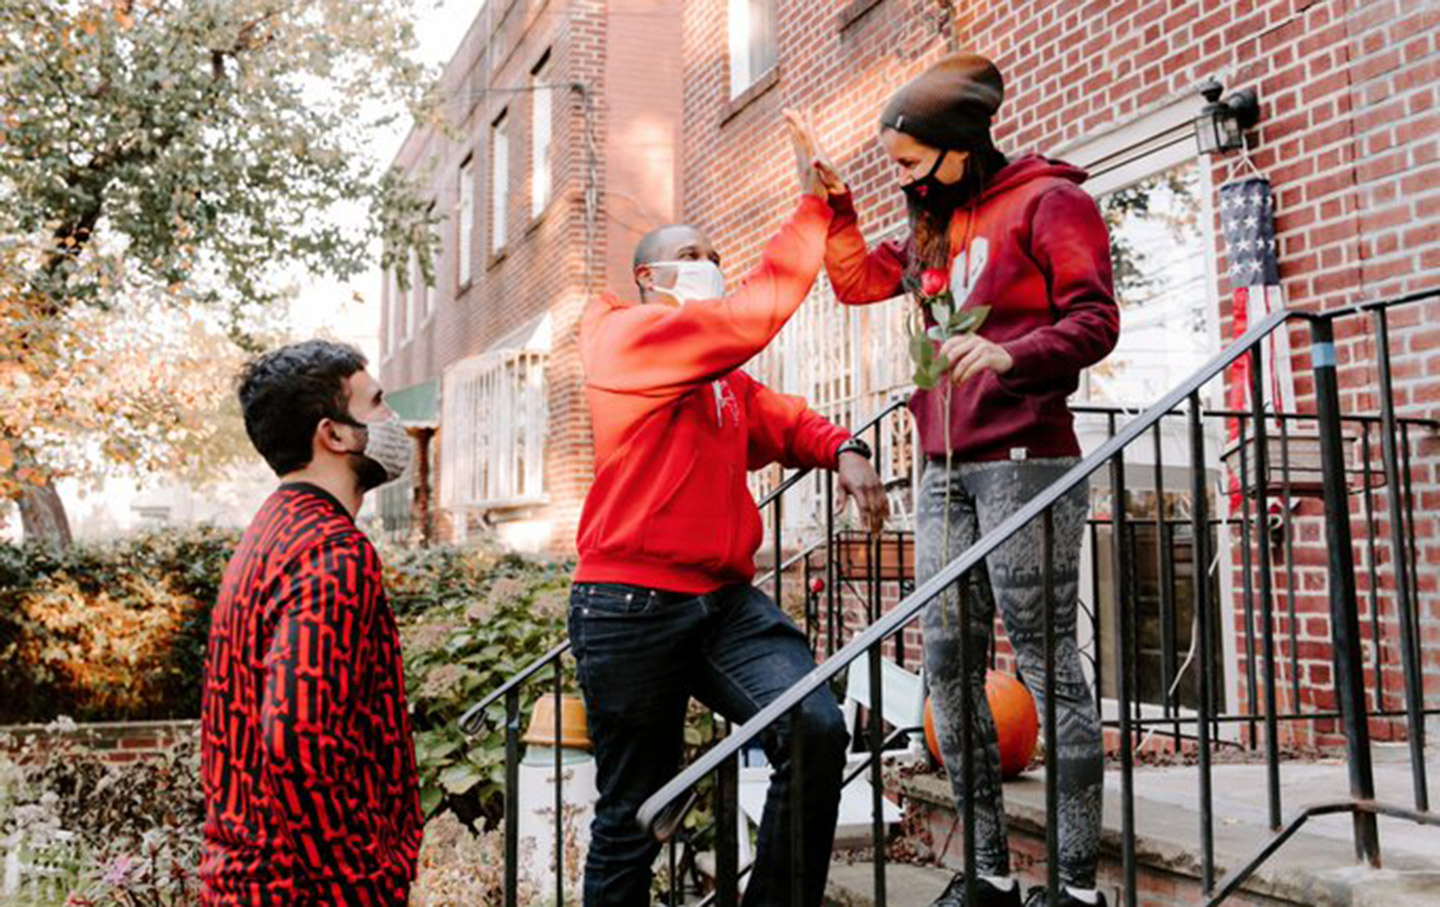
[499,181]
[750,23]
[465,224]
[416,310]
[1149,145]
[393,302]
[541,137]
[495,417]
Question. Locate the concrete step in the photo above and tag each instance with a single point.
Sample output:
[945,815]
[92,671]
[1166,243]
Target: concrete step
[853,884]
[1315,868]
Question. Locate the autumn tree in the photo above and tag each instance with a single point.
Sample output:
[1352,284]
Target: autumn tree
[168,163]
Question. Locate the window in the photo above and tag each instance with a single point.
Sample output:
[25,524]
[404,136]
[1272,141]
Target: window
[397,312]
[399,324]
[494,413]
[465,223]
[1154,195]
[417,297]
[752,42]
[540,138]
[1159,244]
[499,181]
[848,362]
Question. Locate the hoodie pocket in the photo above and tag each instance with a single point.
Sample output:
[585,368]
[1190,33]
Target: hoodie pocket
[694,524]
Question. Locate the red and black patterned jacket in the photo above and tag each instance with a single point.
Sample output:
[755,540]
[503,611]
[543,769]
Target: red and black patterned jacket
[306,750]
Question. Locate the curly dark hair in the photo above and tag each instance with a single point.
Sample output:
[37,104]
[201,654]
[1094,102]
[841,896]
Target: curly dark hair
[286,392]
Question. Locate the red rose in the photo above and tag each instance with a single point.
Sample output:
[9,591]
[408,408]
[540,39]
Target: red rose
[934,282]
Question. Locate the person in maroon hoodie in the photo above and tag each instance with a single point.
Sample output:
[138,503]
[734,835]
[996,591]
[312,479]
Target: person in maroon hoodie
[1023,238]
[663,607]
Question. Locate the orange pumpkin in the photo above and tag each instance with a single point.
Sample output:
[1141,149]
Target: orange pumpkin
[1016,724]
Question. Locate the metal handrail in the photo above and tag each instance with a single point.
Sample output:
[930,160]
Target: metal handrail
[473,720]
[670,796]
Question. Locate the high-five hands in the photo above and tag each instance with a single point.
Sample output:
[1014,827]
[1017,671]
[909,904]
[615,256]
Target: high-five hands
[817,175]
[859,480]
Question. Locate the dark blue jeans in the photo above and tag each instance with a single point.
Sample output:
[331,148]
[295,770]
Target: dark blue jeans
[642,653]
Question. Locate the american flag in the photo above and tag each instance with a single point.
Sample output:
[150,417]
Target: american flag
[1247,218]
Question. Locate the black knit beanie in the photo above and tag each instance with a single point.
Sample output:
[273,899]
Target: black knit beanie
[949,105]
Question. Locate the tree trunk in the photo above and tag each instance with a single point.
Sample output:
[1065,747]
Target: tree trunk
[42,517]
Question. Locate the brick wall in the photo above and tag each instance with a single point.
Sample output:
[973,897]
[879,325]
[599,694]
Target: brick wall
[605,139]
[114,741]
[1347,135]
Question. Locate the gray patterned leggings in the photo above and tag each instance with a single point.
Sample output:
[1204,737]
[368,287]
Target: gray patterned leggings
[982,495]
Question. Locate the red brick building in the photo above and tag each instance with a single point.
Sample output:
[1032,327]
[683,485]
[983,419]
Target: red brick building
[683,104]
[559,149]
[1347,135]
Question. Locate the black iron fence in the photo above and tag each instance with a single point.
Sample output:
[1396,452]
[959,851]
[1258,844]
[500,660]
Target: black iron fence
[1165,506]
[1202,720]
[550,666]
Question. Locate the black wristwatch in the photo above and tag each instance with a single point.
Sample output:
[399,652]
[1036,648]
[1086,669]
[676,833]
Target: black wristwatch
[855,446]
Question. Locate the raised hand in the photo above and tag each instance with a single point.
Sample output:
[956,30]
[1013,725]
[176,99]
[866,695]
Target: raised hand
[817,175]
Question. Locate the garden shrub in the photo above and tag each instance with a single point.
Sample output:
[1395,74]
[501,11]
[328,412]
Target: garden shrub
[127,833]
[108,632]
[464,646]
[135,614]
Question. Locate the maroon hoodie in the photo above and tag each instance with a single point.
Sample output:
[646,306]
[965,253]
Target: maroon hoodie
[1034,248]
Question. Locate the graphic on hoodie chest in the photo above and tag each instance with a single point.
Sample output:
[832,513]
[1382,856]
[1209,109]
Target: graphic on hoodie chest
[717,404]
[727,405]
[967,267]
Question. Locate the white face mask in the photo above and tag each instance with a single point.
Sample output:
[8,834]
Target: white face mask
[387,445]
[693,280]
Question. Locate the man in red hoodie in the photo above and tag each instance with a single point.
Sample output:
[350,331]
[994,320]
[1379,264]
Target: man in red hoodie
[663,607]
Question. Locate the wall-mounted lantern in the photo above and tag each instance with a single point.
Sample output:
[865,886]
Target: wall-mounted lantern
[1221,124]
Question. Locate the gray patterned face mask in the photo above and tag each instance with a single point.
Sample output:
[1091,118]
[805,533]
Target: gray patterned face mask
[387,450]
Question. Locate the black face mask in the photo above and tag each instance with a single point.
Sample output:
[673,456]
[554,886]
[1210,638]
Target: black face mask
[929,192]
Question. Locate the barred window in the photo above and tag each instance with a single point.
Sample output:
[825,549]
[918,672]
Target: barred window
[493,422]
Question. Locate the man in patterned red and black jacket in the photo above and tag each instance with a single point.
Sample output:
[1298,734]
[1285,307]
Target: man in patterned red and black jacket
[306,749]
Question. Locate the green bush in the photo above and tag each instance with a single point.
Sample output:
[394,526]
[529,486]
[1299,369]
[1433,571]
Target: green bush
[118,631]
[108,632]
[476,634]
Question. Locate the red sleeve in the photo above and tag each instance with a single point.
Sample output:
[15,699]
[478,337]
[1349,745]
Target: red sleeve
[328,604]
[784,430]
[1069,242]
[859,275]
[657,348]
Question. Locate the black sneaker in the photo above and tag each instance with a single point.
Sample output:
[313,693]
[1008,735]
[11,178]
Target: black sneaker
[986,895]
[1036,898]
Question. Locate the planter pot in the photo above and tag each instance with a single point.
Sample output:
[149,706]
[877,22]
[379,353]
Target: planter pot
[573,730]
[854,552]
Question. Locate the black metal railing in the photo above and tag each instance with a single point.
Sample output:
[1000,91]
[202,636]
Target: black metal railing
[663,809]
[474,719]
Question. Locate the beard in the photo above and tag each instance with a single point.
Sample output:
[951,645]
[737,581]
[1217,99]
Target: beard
[369,474]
